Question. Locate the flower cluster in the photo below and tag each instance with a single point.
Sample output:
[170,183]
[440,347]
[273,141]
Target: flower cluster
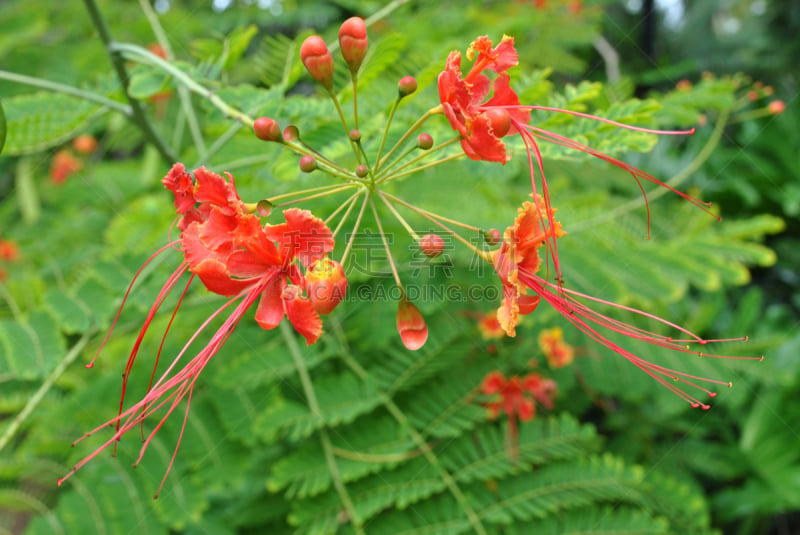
[287,271]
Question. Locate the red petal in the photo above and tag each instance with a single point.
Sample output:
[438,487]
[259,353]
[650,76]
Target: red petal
[269,313]
[301,313]
[493,383]
[181,185]
[303,236]
[217,278]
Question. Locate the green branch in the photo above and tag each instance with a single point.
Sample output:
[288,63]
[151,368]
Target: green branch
[313,405]
[67,90]
[418,439]
[138,115]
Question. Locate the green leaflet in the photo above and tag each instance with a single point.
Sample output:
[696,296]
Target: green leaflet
[2,127]
[40,121]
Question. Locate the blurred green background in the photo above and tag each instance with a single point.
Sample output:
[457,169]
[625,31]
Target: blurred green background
[403,444]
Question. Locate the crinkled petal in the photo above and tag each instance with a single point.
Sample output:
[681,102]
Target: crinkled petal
[301,314]
[216,190]
[303,236]
[180,183]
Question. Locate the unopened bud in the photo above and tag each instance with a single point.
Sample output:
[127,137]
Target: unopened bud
[411,325]
[326,285]
[318,60]
[431,245]
[354,135]
[264,208]
[776,106]
[424,141]
[84,144]
[353,42]
[267,129]
[500,120]
[308,163]
[362,171]
[291,133]
[406,86]
[492,236]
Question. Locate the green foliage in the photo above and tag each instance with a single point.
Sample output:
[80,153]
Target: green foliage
[357,433]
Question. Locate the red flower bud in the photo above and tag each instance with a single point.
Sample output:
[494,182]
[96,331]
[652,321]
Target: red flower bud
[353,42]
[291,133]
[318,60]
[326,285]
[776,106]
[267,129]
[354,135]
[411,325]
[492,236]
[362,171]
[500,120]
[406,86]
[431,245]
[84,144]
[424,141]
[308,163]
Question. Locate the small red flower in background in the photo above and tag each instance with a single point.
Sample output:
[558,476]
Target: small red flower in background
[462,99]
[9,250]
[64,165]
[233,255]
[555,349]
[517,397]
[490,327]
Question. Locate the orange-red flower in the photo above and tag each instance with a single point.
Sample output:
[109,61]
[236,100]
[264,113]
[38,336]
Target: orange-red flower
[557,352]
[517,262]
[517,395]
[533,228]
[63,165]
[490,327]
[233,255]
[482,124]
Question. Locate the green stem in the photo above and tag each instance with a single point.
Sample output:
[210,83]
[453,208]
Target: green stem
[315,196]
[419,441]
[344,124]
[183,93]
[67,90]
[27,195]
[425,116]
[395,176]
[354,232]
[42,391]
[386,130]
[137,53]
[424,154]
[386,247]
[673,182]
[350,203]
[313,405]
[138,115]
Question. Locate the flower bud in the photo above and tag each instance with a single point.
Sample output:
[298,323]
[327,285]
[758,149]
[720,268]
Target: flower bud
[267,129]
[424,141]
[291,133]
[326,285]
[354,135]
[84,144]
[776,106]
[318,60]
[353,42]
[411,325]
[500,120]
[264,207]
[362,171]
[406,86]
[492,236]
[308,163]
[431,245]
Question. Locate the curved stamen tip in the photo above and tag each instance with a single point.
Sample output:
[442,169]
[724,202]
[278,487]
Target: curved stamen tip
[702,342]
[730,384]
[700,354]
[691,131]
[155,497]
[60,481]
[713,394]
[695,405]
[745,339]
[705,407]
[761,359]
[90,365]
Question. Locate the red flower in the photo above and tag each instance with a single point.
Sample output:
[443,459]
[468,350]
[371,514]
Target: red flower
[517,263]
[233,255]
[520,250]
[480,124]
[516,399]
[63,165]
